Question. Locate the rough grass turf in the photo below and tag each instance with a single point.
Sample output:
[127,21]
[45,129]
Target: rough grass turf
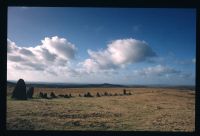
[147,109]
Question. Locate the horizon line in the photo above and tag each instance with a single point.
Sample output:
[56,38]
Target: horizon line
[103,83]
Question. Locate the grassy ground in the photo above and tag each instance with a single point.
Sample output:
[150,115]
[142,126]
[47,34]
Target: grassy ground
[147,109]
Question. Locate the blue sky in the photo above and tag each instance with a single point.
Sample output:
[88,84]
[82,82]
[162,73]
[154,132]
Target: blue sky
[98,45]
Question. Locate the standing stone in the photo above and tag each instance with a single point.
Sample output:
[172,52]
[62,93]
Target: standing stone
[98,95]
[45,96]
[41,95]
[88,94]
[61,95]
[124,91]
[66,96]
[52,95]
[19,92]
[106,94]
[70,95]
[30,92]
[110,94]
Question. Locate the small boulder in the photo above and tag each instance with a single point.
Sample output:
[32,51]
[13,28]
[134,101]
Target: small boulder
[30,92]
[41,95]
[45,96]
[66,96]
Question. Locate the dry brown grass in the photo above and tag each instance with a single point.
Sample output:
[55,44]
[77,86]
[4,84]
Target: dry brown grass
[148,109]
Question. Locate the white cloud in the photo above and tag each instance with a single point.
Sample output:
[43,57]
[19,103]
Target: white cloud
[119,53]
[16,58]
[52,53]
[61,46]
[25,52]
[90,65]
[12,47]
[158,70]
[54,60]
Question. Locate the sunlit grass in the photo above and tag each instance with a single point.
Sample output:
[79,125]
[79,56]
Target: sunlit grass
[147,109]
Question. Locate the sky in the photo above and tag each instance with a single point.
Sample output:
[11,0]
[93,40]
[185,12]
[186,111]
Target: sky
[142,46]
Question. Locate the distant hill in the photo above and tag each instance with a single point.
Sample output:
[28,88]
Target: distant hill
[104,85]
[66,85]
[12,84]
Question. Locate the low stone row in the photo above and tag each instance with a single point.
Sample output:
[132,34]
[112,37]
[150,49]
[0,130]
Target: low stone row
[52,95]
[88,94]
[21,92]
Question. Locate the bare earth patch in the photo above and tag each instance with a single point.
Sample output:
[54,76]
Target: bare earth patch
[147,109]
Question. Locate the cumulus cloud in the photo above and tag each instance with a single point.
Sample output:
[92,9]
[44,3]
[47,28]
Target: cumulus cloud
[90,65]
[34,65]
[119,53]
[158,70]
[25,52]
[52,53]
[16,58]
[56,45]
[12,47]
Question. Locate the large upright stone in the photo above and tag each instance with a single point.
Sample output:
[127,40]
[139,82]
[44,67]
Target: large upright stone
[19,92]
[30,92]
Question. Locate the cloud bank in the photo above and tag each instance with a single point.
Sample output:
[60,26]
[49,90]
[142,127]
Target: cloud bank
[54,60]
